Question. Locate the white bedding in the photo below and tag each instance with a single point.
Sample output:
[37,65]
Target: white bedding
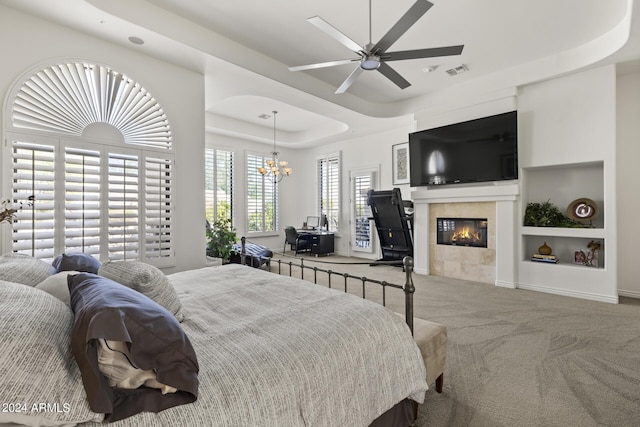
[272,351]
[277,351]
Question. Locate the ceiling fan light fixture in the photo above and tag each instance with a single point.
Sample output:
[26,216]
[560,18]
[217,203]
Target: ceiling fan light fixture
[370,62]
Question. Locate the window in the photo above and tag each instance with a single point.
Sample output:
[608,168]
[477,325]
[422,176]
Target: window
[262,197]
[33,174]
[101,195]
[329,190]
[219,184]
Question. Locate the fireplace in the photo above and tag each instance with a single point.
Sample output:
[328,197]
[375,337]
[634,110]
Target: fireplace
[462,232]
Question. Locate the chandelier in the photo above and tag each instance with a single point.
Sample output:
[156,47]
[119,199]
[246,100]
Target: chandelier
[276,168]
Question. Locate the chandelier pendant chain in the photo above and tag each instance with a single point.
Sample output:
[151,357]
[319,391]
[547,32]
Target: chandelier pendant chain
[276,168]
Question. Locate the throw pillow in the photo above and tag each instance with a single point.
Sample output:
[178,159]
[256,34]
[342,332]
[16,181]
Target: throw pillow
[146,279]
[56,285]
[108,310]
[36,363]
[76,262]
[20,268]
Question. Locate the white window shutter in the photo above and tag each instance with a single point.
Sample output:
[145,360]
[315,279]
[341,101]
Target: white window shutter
[329,190]
[262,197]
[158,208]
[219,179]
[33,175]
[123,207]
[82,192]
[91,197]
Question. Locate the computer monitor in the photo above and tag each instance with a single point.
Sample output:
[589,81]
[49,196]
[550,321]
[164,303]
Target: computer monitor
[313,222]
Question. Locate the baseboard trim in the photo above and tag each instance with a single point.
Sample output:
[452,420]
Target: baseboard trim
[503,284]
[575,294]
[629,294]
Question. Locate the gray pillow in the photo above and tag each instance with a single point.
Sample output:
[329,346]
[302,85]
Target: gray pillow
[36,361]
[147,280]
[56,285]
[76,262]
[20,268]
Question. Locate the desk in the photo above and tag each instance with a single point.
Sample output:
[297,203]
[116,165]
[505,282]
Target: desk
[321,241]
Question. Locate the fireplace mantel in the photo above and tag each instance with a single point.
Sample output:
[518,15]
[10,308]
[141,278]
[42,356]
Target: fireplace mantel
[505,195]
[484,193]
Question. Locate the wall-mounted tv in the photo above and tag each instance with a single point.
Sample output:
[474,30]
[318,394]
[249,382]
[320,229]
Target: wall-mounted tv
[479,150]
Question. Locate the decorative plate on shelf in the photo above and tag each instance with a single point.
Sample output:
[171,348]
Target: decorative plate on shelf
[582,209]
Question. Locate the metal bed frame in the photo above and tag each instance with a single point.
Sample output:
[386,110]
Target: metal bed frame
[407,287]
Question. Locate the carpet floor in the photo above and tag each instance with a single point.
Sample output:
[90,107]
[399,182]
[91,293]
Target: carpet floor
[516,357]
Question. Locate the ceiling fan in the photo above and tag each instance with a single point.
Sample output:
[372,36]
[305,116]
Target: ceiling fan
[375,56]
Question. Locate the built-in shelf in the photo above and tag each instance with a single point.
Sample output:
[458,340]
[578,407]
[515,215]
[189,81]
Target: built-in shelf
[586,233]
[562,265]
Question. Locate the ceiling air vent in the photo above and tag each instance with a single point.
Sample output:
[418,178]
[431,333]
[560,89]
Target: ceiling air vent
[457,70]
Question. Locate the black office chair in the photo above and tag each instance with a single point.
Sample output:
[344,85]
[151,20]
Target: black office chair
[298,242]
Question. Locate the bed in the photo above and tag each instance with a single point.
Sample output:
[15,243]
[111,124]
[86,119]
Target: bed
[271,351]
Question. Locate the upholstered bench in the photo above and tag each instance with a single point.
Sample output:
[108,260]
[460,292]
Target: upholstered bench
[256,255]
[431,338]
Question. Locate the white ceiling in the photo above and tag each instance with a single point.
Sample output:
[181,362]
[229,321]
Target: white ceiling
[244,48]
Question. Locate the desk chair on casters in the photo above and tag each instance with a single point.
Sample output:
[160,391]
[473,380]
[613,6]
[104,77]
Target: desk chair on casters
[299,242]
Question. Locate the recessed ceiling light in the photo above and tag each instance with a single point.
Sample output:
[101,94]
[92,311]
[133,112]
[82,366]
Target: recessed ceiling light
[136,40]
[429,69]
[264,116]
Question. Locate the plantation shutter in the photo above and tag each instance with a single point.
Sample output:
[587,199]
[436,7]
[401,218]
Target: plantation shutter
[329,190]
[101,200]
[363,210]
[65,98]
[219,184]
[82,201]
[158,208]
[123,206]
[33,175]
[224,185]
[262,197]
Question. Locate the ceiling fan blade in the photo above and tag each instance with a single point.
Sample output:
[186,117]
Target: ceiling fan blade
[349,81]
[323,64]
[393,75]
[334,33]
[414,13]
[423,53]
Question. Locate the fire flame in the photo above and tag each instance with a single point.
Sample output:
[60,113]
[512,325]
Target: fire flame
[465,234]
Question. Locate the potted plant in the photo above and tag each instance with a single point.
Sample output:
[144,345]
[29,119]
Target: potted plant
[220,239]
[546,214]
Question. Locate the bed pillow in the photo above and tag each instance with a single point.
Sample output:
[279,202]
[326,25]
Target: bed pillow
[76,262]
[108,310]
[36,363]
[20,268]
[146,279]
[56,285]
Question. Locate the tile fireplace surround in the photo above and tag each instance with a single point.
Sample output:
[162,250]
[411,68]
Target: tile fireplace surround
[463,262]
[495,264]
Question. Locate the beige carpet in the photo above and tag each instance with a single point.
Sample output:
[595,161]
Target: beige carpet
[516,357]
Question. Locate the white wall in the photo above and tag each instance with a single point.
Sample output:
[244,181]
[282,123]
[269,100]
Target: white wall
[628,159]
[289,206]
[562,122]
[357,153]
[28,43]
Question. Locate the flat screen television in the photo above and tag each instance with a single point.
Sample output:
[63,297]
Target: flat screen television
[479,150]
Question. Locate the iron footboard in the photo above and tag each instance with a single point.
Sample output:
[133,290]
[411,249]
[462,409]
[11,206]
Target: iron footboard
[407,287]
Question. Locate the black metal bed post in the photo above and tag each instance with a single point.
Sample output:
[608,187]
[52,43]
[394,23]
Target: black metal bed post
[243,252]
[409,289]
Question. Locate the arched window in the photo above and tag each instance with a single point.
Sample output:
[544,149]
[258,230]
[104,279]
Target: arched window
[95,149]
